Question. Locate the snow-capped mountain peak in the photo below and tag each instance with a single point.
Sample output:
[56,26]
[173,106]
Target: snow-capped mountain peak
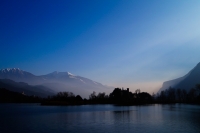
[10,70]
[70,74]
[57,81]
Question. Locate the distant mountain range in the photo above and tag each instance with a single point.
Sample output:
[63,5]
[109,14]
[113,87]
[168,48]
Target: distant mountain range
[54,82]
[186,82]
[24,88]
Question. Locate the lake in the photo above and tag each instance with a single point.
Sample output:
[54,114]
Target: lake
[33,118]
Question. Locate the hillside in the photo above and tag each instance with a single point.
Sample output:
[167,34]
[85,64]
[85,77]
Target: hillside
[186,82]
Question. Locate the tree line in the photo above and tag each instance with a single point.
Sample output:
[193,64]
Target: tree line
[173,95]
[118,96]
[7,96]
[122,96]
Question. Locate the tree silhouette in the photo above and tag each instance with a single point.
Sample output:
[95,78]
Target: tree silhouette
[92,96]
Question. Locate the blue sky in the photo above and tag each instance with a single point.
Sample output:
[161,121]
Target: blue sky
[121,43]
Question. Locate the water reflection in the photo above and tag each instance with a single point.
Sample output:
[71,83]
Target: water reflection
[100,118]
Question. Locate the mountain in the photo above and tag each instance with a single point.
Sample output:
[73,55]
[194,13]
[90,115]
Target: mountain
[22,87]
[18,75]
[65,81]
[57,81]
[186,82]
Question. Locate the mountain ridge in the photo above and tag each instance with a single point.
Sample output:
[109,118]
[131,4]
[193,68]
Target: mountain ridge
[25,88]
[186,82]
[57,81]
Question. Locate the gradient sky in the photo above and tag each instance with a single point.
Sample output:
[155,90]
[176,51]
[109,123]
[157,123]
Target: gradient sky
[120,43]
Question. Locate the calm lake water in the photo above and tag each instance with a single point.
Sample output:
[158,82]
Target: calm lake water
[33,118]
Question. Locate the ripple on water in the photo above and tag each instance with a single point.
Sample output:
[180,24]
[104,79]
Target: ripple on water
[33,118]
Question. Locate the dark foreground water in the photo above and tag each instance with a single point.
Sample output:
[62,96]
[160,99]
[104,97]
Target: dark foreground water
[33,118]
